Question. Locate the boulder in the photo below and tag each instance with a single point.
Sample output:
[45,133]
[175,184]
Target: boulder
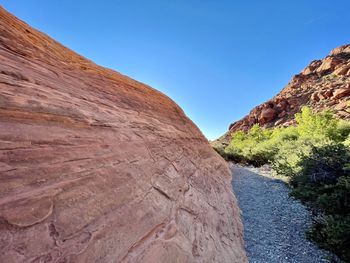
[341,105]
[328,64]
[311,68]
[341,49]
[315,97]
[282,114]
[282,105]
[327,94]
[98,167]
[342,92]
[267,115]
[342,71]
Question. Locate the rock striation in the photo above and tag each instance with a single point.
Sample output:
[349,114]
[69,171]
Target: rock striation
[97,167]
[322,85]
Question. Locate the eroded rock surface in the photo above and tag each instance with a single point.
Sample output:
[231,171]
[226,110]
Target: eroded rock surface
[322,85]
[97,167]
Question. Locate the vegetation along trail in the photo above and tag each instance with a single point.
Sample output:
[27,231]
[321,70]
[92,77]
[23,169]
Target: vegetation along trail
[274,223]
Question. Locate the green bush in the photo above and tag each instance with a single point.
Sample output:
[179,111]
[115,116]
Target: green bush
[325,164]
[316,126]
[244,147]
[284,146]
[287,158]
[258,146]
[332,233]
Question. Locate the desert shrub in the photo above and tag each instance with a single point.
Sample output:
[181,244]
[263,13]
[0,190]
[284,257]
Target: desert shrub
[322,181]
[325,164]
[316,126]
[287,158]
[243,146]
[312,162]
[335,199]
[285,146]
[323,178]
[343,131]
[258,146]
[332,232]
[347,141]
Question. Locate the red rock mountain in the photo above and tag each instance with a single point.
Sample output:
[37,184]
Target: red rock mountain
[324,84]
[97,167]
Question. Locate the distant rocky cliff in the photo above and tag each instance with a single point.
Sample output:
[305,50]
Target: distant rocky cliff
[97,167]
[324,84]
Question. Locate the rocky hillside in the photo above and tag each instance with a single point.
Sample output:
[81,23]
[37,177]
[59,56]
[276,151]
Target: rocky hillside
[97,167]
[324,84]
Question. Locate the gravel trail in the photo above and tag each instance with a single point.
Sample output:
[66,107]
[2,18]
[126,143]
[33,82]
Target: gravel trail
[274,223]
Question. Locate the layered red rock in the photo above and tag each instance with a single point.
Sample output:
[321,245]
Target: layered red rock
[322,85]
[97,167]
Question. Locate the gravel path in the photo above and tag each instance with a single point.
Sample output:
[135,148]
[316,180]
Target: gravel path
[274,223]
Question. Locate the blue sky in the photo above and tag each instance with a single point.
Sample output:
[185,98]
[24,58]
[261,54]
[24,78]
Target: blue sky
[217,59]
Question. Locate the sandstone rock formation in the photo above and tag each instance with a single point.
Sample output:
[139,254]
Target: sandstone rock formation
[97,167]
[324,84]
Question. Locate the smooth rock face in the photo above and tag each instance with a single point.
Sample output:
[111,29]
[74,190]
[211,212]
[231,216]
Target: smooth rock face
[97,167]
[322,85]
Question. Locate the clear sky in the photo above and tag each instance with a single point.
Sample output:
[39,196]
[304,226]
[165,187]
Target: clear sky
[217,59]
